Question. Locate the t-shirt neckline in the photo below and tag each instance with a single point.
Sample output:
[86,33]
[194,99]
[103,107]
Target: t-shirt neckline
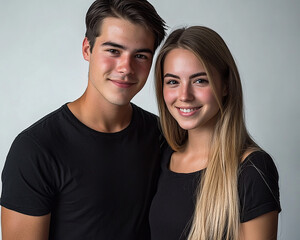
[81,125]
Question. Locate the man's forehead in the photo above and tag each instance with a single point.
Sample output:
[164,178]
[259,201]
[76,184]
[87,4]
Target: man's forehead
[124,34]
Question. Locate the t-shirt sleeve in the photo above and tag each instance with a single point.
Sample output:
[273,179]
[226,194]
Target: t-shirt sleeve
[258,186]
[27,183]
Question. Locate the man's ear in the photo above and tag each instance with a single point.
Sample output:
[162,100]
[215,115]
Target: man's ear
[86,49]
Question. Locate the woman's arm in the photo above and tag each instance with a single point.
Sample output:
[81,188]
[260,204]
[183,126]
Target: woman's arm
[263,227]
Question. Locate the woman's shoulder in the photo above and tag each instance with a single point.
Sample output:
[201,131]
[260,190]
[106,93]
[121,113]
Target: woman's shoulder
[257,159]
[258,185]
[167,152]
[258,170]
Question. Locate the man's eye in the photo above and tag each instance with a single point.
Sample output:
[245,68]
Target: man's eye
[141,56]
[113,51]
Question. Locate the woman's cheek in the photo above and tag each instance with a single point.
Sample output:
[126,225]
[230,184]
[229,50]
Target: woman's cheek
[170,95]
[206,96]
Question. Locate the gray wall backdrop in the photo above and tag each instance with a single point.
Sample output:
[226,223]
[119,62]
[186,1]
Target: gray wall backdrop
[41,68]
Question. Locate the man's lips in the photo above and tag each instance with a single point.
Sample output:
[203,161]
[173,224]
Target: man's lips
[122,84]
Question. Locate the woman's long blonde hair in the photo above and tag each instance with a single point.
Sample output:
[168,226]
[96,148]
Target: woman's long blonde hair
[216,213]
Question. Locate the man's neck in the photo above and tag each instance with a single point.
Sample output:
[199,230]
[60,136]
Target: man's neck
[101,115]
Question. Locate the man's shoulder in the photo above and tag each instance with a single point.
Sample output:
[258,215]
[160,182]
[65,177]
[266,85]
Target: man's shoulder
[144,114]
[46,124]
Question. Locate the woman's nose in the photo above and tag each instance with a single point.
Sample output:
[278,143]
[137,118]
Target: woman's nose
[186,93]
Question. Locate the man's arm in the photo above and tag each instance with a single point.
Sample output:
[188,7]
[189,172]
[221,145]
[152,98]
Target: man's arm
[263,227]
[18,226]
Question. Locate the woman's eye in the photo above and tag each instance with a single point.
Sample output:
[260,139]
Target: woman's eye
[171,82]
[201,81]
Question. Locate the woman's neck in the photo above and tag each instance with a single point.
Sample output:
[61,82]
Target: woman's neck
[194,156]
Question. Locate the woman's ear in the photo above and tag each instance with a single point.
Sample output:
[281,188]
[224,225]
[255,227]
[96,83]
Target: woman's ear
[224,90]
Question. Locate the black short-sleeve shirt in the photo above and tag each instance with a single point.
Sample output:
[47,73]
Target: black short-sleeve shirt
[173,205]
[95,185]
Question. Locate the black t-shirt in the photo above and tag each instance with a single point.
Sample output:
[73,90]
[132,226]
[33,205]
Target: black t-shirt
[95,185]
[174,202]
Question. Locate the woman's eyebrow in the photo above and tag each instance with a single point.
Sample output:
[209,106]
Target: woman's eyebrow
[199,74]
[171,75]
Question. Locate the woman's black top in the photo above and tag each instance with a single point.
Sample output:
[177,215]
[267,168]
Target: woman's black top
[173,205]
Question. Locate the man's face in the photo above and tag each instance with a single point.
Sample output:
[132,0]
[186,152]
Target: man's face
[120,61]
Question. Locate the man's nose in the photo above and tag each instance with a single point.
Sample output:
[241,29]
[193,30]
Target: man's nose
[125,65]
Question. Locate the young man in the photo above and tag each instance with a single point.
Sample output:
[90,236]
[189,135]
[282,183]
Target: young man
[89,169]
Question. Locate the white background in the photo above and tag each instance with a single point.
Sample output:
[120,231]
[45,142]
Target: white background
[41,68]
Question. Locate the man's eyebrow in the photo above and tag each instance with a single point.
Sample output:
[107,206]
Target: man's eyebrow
[171,75]
[112,44]
[144,50]
[116,45]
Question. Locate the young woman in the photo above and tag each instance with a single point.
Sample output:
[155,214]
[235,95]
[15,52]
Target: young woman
[216,182]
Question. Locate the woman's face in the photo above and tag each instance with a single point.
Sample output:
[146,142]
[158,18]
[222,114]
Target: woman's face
[187,91]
